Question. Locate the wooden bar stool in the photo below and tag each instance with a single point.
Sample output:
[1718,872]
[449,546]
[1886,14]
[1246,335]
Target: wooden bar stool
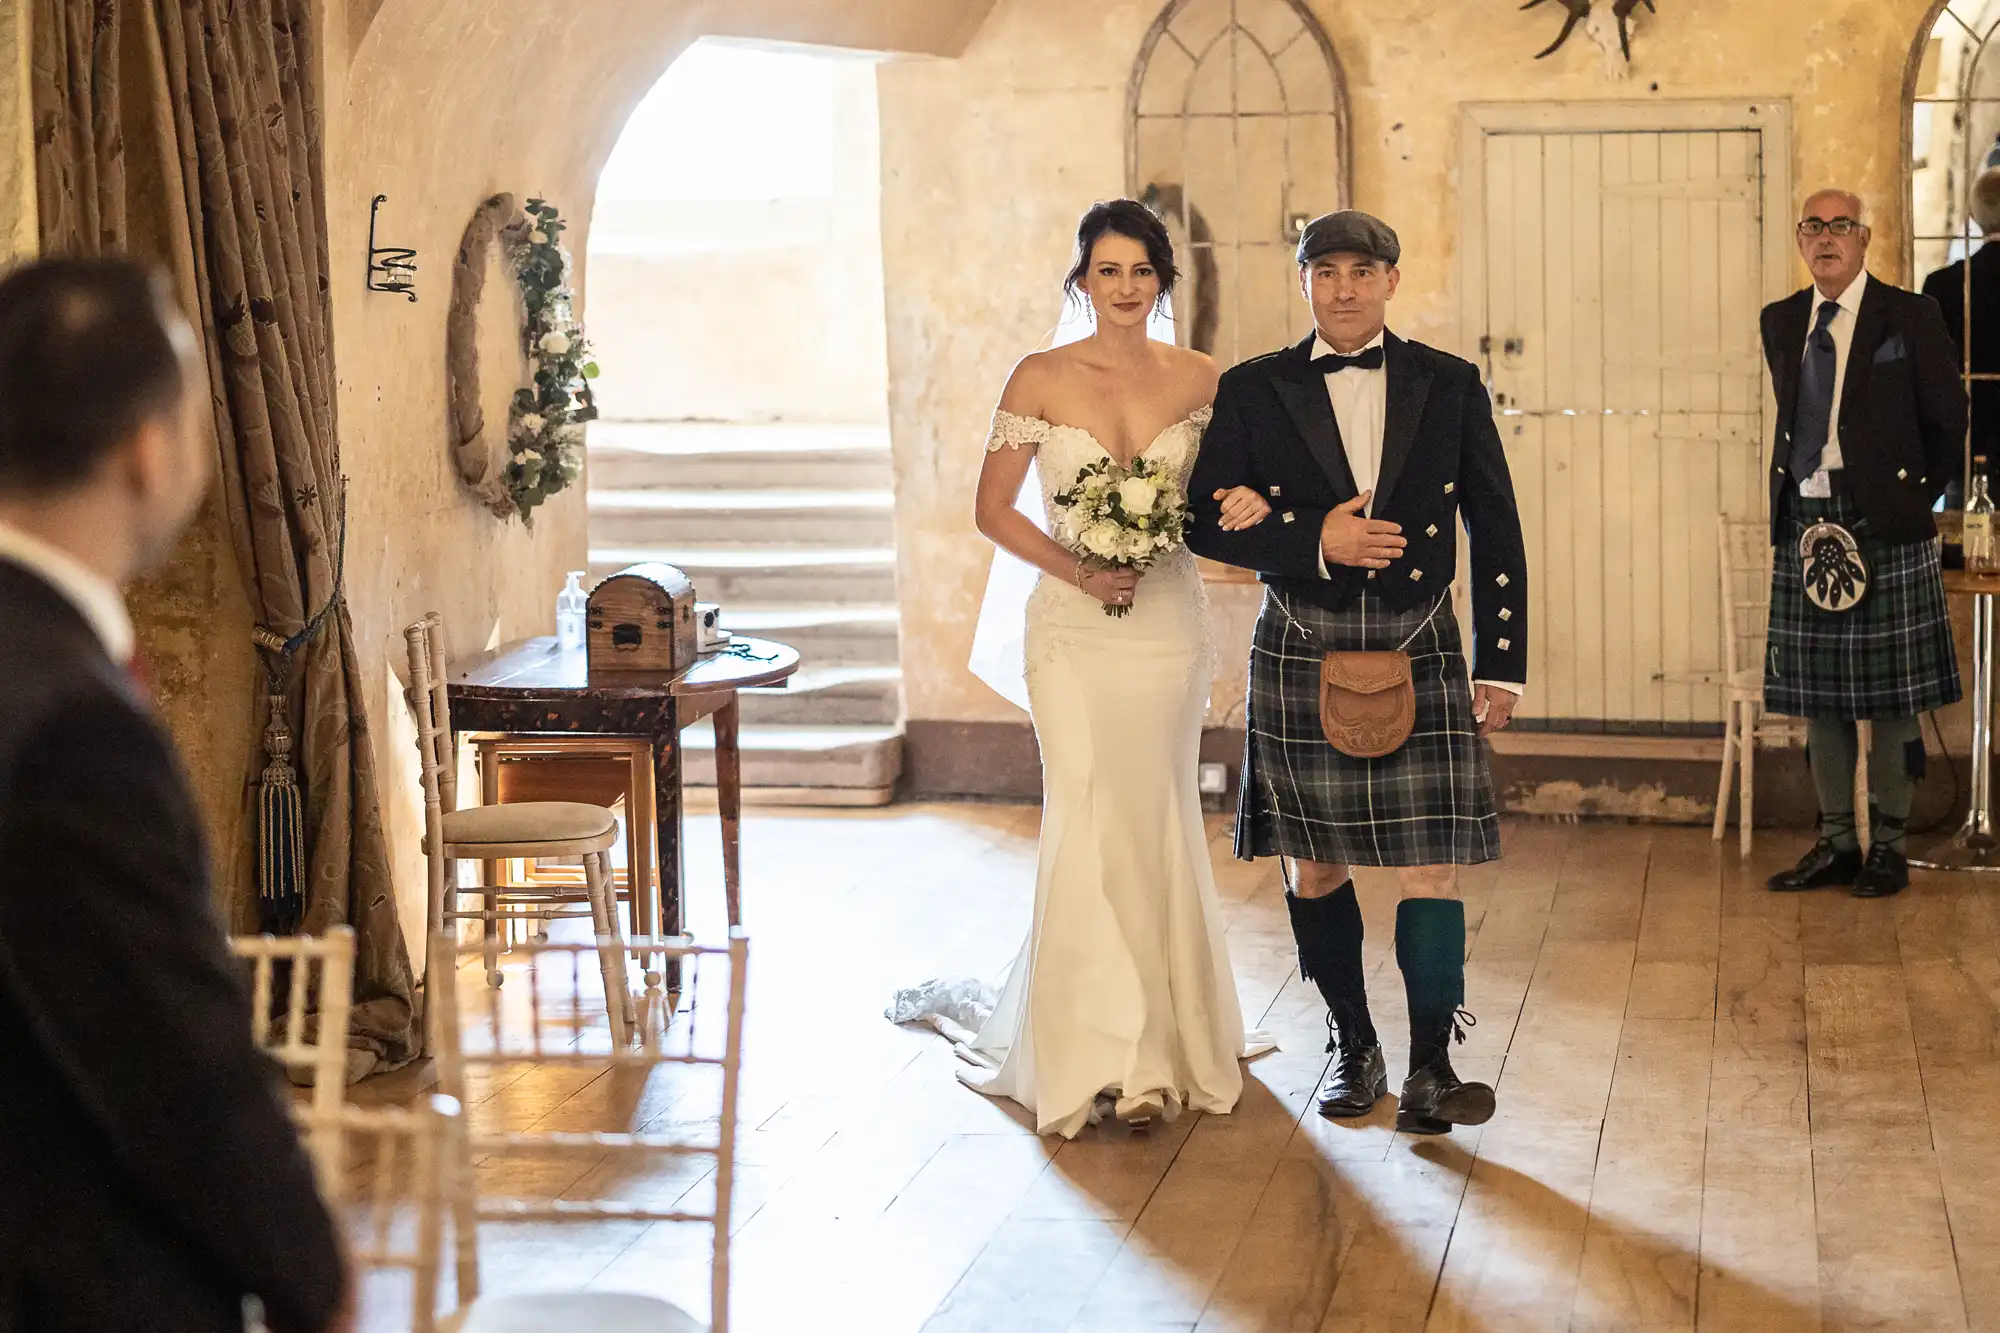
[598,770]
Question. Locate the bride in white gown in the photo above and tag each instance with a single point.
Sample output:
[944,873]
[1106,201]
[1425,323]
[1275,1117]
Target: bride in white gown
[1122,993]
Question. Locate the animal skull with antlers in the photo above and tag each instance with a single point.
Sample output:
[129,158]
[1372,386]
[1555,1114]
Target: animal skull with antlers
[1579,10]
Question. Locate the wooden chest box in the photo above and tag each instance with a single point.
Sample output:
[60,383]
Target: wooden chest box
[641,622]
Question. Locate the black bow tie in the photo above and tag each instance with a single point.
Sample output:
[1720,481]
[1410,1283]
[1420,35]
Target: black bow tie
[1368,358]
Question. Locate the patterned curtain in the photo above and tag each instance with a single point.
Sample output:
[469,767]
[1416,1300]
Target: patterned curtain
[188,131]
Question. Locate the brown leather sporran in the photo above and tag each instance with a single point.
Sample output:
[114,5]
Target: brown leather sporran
[1367,702]
[1367,699]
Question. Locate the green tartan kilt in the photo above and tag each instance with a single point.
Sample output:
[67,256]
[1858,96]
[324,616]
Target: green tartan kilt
[1891,656]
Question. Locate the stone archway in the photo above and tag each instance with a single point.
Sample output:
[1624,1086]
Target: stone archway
[438,104]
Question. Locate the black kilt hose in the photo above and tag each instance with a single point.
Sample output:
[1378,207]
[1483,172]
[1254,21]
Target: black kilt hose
[1891,656]
[1430,803]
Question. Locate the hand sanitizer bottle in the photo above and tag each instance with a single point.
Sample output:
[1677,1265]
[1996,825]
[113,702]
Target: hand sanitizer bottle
[571,610]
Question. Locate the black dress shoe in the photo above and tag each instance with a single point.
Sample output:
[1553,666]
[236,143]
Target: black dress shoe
[1822,867]
[1359,1078]
[1886,872]
[1434,1097]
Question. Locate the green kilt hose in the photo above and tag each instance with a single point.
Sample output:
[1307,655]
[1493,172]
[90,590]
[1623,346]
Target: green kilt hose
[1428,804]
[1891,656]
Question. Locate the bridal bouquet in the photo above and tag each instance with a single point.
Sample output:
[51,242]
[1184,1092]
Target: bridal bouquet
[1125,517]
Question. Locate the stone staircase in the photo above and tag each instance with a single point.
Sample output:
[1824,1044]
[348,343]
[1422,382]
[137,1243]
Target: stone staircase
[789,527]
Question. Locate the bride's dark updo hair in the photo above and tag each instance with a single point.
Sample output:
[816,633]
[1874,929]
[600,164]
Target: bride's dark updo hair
[1134,221]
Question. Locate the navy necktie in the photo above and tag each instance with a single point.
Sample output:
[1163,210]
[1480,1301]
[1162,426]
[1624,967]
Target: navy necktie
[1814,414]
[1368,358]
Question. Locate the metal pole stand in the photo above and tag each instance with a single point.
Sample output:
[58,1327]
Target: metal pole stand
[1975,847]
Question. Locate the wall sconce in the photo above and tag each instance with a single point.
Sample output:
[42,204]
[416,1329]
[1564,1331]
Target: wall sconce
[390,268]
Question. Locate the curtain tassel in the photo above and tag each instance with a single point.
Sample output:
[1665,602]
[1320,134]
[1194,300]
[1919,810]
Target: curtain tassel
[281,822]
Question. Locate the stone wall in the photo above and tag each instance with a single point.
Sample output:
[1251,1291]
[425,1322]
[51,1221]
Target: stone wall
[986,162]
[989,159]
[17,159]
[438,104]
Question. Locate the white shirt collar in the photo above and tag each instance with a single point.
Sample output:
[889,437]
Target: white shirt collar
[1849,300]
[96,600]
[1321,348]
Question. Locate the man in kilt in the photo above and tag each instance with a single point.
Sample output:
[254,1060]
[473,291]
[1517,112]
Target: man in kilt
[1871,428]
[1371,449]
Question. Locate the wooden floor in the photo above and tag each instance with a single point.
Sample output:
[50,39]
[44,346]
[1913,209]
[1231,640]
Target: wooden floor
[1720,1109]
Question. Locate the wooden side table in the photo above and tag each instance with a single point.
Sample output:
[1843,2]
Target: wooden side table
[530,688]
[1975,847]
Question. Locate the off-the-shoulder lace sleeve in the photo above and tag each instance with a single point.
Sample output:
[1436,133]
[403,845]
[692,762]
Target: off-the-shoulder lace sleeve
[1202,416]
[1012,431]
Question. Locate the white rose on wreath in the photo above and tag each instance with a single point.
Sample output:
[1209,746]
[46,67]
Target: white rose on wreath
[532,424]
[555,344]
[538,236]
[530,456]
[1138,494]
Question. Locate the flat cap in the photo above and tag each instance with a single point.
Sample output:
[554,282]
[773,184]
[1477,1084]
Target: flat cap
[1349,231]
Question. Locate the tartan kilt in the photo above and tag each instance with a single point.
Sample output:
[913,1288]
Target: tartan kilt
[1430,803]
[1891,656]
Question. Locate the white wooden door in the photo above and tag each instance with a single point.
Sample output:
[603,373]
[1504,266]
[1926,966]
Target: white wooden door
[1622,278]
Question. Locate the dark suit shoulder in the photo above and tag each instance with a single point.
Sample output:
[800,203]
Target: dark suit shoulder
[1785,305]
[1441,362]
[1256,368]
[1895,295]
[1950,278]
[54,668]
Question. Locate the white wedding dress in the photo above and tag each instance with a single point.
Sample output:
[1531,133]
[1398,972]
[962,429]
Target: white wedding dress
[1123,986]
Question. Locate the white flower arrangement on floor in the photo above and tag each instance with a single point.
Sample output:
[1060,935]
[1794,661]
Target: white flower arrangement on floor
[1122,517]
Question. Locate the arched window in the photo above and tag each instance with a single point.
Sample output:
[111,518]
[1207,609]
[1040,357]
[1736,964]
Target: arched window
[1238,136]
[1955,137]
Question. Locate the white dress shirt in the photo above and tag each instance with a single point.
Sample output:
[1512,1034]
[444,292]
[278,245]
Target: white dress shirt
[1360,401]
[1819,486]
[97,600]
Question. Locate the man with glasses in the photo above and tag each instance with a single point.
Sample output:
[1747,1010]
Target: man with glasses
[1871,427]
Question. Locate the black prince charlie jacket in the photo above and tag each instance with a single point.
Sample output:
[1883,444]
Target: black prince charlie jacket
[1274,430]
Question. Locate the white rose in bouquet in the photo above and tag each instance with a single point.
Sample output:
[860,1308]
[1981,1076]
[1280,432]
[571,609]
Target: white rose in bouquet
[1104,539]
[1138,495]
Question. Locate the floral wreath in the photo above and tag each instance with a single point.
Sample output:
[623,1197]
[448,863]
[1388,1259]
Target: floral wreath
[545,419]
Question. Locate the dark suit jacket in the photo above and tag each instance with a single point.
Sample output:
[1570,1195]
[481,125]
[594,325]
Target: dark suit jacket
[150,1176]
[1901,413]
[1947,288]
[1274,430]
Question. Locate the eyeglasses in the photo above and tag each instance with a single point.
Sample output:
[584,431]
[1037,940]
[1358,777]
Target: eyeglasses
[1838,226]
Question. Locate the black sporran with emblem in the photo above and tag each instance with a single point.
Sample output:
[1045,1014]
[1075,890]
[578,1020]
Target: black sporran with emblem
[1832,567]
